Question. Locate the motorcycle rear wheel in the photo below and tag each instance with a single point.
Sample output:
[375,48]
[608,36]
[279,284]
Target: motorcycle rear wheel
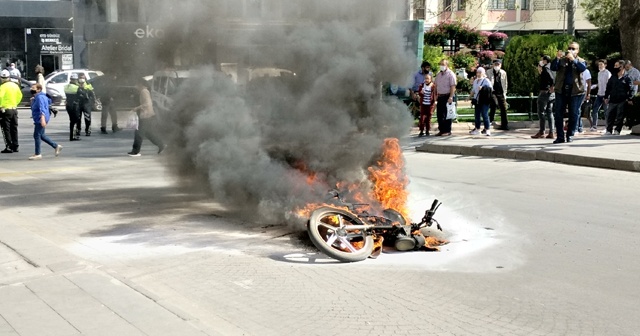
[326,233]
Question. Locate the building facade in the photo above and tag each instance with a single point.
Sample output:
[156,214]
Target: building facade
[511,16]
[37,32]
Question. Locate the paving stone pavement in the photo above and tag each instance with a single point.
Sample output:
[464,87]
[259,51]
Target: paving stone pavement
[97,243]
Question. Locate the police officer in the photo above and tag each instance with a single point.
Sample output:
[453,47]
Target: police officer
[71,91]
[10,98]
[86,97]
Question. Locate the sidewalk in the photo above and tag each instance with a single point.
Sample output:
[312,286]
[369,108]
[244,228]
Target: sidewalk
[589,149]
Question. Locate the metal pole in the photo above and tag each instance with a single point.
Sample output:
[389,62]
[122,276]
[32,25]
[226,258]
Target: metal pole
[571,23]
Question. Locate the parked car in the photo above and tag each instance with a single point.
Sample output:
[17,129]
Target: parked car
[59,79]
[25,87]
[164,87]
[123,89]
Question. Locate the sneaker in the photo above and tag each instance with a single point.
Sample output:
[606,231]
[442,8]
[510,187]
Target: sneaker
[35,157]
[607,133]
[616,133]
[134,154]
[484,131]
[474,132]
[487,132]
[103,130]
[593,129]
[6,151]
[421,134]
[116,129]
[58,150]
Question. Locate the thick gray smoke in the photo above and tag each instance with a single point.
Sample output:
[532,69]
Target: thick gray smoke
[253,146]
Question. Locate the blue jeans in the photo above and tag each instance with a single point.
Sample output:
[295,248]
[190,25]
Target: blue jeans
[574,113]
[599,102]
[482,110]
[38,135]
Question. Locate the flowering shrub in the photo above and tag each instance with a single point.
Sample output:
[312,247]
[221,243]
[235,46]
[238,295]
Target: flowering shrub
[498,36]
[499,54]
[486,56]
[452,30]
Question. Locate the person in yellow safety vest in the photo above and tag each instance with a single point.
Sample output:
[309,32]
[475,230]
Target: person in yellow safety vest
[73,109]
[10,98]
[86,97]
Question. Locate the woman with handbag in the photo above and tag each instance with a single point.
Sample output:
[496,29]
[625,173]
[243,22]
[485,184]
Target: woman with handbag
[481,94]
[427,93]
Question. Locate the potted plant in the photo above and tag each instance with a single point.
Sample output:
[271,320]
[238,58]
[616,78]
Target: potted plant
[486,56]
[484,35]
[497,40]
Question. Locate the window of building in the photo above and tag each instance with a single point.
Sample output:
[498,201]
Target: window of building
[548,4]
[447,5]
[462,5]
[502,4]
[525,4]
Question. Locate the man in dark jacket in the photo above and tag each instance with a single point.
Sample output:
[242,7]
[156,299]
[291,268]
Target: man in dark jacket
[545,97]
[569,89]
[619,93]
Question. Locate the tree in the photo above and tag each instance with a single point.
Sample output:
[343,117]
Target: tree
[602,13]
[630,30]
[622,16]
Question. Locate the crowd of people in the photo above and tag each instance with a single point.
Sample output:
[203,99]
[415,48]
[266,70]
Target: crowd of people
[565,86]
[80,99]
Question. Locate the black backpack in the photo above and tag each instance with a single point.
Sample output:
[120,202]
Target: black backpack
[484,96]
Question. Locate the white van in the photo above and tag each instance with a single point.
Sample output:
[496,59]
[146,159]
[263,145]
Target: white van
[164,87]
[59,79]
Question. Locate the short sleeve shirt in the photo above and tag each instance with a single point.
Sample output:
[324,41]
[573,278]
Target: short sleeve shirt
[444,81]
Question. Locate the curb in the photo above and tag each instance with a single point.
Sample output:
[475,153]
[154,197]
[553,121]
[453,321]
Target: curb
[532,155]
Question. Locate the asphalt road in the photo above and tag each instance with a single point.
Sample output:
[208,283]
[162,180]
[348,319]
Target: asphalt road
[536,249]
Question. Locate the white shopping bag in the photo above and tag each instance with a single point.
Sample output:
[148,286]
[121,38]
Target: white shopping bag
[451,111]
[132,121]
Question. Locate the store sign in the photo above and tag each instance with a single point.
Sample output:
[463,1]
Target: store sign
[149,32]
[52,43]
[67,61]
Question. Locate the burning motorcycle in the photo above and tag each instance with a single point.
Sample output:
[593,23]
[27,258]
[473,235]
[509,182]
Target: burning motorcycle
[348,233]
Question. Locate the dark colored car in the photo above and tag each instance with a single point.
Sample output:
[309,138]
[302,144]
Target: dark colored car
[122,90]
[25,87]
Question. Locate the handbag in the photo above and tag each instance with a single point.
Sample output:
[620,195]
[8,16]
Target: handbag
[132,121]
[451,111]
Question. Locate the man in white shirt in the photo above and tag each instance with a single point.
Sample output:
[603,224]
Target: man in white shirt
[603,78]
[586,81]
[13,71]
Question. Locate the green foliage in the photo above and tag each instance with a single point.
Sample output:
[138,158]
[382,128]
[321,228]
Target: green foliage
[464,60]
[602,13]
[522,55]
[602,43]
[463,86]
[433,55]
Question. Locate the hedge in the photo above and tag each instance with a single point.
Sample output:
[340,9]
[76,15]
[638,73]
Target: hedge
[522,56]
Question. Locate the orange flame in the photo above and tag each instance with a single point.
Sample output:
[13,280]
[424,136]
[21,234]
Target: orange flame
[390,179]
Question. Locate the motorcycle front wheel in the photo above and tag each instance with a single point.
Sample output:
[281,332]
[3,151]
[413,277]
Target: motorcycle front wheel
[327,232]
